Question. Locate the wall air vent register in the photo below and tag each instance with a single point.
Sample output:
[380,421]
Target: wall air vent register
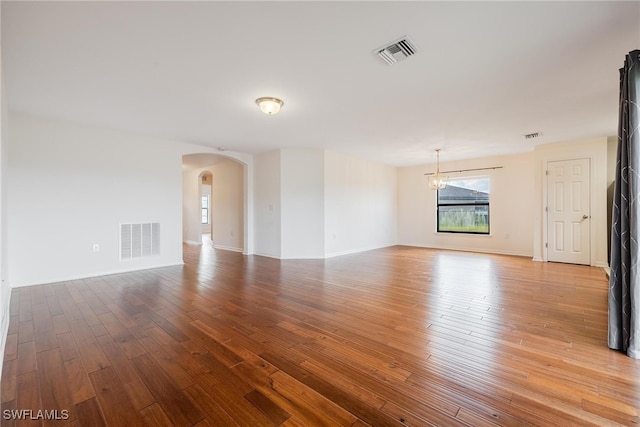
[139,240]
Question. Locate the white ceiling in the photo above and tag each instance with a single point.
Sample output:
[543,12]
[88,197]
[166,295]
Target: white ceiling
[486,72]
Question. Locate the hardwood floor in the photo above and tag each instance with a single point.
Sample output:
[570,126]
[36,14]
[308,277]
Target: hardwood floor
[391,337]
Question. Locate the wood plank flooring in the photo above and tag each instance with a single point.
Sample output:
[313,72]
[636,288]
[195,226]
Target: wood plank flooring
[390,337]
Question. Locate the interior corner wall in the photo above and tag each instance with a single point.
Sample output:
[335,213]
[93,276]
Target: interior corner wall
[360,204]
[511,206]
[71,186]
[5,289]
[266,206]
[612,158]
[302,203]
[596,150]
[312,203]
[191,219]
[227,213]
[227,205]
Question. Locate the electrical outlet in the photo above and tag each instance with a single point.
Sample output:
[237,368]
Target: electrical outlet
[96,247]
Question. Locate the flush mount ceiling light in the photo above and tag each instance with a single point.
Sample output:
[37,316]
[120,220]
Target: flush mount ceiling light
[269,105]
[438,181]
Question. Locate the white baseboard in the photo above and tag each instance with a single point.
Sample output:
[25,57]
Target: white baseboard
[227,248]
[476,250]
[192,242]
[4,331]
[102,273]
[358,250]
[266,255]
[355,251]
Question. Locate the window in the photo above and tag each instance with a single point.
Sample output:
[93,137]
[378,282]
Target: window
[463,206]
[205,209]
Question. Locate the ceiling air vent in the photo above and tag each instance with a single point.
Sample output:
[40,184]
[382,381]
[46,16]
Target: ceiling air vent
[533,135]
[397,51]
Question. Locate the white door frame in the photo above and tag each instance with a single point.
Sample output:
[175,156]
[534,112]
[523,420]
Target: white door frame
[545,225]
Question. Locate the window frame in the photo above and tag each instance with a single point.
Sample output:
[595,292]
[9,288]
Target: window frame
[204,208]
[474,204]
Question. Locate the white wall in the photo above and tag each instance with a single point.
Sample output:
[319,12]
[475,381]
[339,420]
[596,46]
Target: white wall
[191,221]
[314,203]
[70,186]
[595,150]
[227,205]
[266,206]
[302,203]
[612,158]
[5,290]
[511,206]
[361,204]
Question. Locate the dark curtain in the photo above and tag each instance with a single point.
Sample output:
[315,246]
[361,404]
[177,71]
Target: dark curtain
[624,282]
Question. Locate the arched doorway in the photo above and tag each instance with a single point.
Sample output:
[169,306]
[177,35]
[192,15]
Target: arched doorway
[226,207]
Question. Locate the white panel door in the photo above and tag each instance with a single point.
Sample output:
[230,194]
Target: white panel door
[568,213]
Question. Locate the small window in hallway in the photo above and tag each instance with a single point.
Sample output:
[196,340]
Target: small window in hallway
[205,209]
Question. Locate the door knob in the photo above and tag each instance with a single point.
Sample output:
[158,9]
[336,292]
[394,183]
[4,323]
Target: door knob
[585,216]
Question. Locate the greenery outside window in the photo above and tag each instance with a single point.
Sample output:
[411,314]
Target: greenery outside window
[463,206]
[205,209]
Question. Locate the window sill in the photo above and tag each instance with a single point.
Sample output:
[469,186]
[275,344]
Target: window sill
[445,233]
